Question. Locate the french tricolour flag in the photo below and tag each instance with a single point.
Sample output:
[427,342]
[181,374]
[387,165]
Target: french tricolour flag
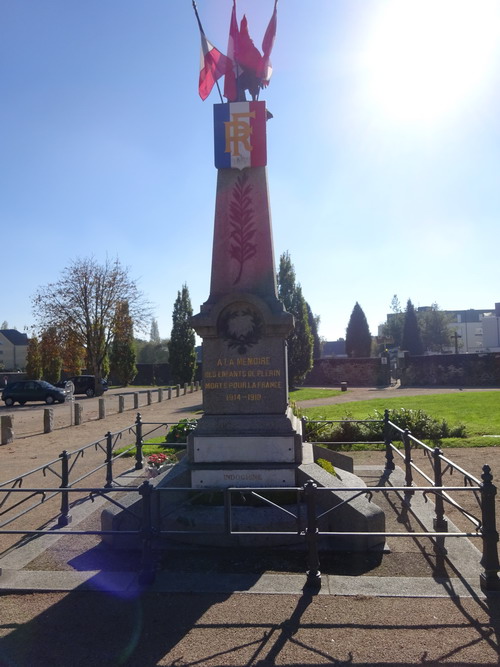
[240,135]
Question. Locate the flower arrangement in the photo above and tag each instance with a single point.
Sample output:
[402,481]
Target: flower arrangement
[158,460]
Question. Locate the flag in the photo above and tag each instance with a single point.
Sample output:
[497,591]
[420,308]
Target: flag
[213,65]
[230,87]
[247,54]
[267,46]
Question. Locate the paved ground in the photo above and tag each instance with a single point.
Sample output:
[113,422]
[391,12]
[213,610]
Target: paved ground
[102,624]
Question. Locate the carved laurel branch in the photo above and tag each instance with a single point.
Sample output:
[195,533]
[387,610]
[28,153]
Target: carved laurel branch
[241,218]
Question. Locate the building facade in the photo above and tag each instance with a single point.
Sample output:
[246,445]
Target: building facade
[13,350]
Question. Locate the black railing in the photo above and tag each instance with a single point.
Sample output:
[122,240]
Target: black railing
[306,520]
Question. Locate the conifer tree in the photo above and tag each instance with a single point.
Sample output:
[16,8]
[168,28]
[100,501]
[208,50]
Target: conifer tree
[50,353]
[34,359]
[358,340]
[122,357]
[181,348]
[412,339]
[300,340]
[154,336]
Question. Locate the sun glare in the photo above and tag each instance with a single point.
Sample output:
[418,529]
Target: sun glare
[425,58]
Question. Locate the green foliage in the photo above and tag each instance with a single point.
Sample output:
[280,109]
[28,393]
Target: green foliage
[181,348]
[313,325]
[412,339]
[179,432]
[50,352]
[151,352]
[434,325]
[34,359]
[358,340]
[326,465]
[122,355]
[300,340]
[84,300]
[154,334]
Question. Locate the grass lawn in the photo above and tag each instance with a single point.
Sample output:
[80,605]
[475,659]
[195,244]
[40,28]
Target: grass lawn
[308,394]
[479,411]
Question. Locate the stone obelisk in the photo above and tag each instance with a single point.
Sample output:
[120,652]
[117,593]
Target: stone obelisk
[248,435]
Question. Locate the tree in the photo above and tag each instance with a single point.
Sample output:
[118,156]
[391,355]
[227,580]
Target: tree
[5,325]
[313,325]
[181,348]
[72,352]
[393,328]
[122,355]
[434,325]
[34,359]
[152,353]
[411,340]
[154,335]
[300,340]
[84,300]
[50,353]
[358,340]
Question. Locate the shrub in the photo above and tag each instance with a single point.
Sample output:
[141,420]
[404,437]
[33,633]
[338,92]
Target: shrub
[179,432]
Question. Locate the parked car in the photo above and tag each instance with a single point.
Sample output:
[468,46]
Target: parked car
[23,391]
[84,384]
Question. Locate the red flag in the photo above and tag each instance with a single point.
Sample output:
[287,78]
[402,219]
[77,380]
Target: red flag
[247,54]
[230,88]
[267,46]
[213,65]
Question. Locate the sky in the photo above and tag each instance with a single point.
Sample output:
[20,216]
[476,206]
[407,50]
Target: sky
[383,153]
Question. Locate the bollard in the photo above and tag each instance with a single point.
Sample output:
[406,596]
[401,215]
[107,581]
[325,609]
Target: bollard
[185,388]
[149,397]
[197,385]
[121,403]
[136,400]
[191,388]
[160,395]
[178,390]
[48,420]
[169,393]
[7,429]
[489,578]
[102,408]
[78,414]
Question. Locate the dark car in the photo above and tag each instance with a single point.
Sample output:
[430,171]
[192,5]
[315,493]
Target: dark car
[23,391]
[84,384]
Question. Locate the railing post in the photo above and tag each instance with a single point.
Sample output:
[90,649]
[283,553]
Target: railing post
[138,442]
[147,573]
[408,461]
[440,523]
[489,578]
[389,455]
[109,460]
[313,572]
[64,517]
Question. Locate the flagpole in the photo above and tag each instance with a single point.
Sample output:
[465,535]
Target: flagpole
[202,31]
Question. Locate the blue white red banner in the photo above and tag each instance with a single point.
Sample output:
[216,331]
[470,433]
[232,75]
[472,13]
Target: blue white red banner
[240,135]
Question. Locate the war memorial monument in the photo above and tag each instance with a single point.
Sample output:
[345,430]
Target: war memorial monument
[248,435]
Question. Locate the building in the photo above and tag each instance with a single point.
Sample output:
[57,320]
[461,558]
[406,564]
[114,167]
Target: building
[13,350]
[471,331]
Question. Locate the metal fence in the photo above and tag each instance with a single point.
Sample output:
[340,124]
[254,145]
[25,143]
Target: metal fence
[306,518]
